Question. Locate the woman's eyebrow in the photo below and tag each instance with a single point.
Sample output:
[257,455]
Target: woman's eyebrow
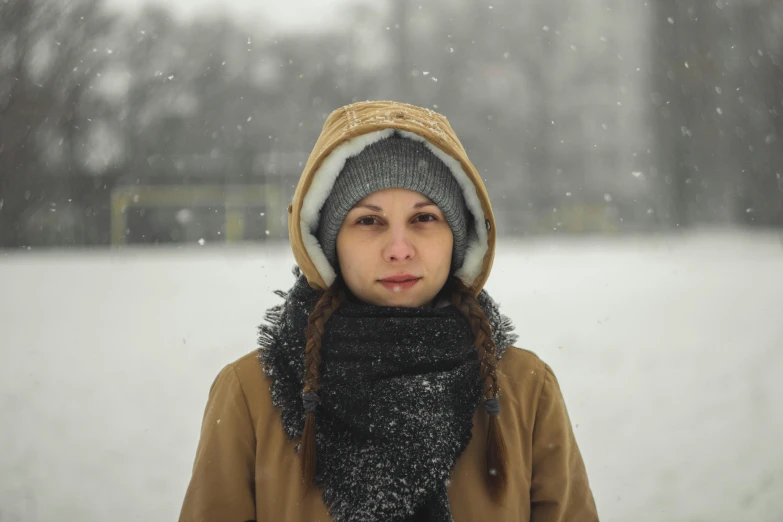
[423,204]
[367,205]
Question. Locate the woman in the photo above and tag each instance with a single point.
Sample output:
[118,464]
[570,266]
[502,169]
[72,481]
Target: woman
[386,387]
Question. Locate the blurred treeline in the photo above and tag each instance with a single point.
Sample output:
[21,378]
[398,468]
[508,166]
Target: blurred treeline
[603,116]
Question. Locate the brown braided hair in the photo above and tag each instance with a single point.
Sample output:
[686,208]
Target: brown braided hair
[496,457]
[327,304]
[462,298]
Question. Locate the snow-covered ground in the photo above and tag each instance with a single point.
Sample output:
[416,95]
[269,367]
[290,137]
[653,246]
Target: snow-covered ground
[669,351]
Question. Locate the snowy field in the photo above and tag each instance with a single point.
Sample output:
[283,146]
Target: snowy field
[669,351]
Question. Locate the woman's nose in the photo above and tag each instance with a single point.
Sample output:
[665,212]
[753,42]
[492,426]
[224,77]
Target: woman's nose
[398,247]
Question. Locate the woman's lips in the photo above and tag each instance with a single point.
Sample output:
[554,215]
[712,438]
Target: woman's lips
[399,286]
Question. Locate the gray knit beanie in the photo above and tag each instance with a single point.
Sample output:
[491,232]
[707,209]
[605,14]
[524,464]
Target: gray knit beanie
[394,162]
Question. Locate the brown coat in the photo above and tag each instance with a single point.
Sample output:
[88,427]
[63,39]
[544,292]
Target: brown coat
[247,469]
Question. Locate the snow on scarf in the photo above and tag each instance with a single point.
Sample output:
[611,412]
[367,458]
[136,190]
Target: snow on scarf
[399,388]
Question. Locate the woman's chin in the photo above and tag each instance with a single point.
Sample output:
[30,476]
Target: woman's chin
[380,294]
[413,300]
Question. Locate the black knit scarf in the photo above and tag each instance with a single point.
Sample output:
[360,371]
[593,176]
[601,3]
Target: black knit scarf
[399,388]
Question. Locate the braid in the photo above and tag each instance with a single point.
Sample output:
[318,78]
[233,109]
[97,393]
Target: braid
[327,304]
[496,459]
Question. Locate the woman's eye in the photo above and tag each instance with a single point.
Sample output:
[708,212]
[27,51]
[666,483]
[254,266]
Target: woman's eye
[367,221]
[425,218]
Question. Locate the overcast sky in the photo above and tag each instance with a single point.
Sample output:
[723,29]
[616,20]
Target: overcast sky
[281,15]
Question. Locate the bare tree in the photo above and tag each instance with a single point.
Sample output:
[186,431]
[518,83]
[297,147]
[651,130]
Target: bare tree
[51,55]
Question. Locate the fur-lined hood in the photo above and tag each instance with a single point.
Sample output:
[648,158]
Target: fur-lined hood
[346,132]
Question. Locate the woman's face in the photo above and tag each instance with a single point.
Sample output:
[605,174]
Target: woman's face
[394,249]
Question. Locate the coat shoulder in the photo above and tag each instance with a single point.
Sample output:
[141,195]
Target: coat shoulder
[249,370]
[519,361]
[523,373]
[249,361]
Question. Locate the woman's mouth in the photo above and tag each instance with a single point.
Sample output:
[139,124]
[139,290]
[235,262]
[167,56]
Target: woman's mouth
[398,284]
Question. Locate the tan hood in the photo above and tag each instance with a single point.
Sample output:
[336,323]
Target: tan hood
[347,132]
